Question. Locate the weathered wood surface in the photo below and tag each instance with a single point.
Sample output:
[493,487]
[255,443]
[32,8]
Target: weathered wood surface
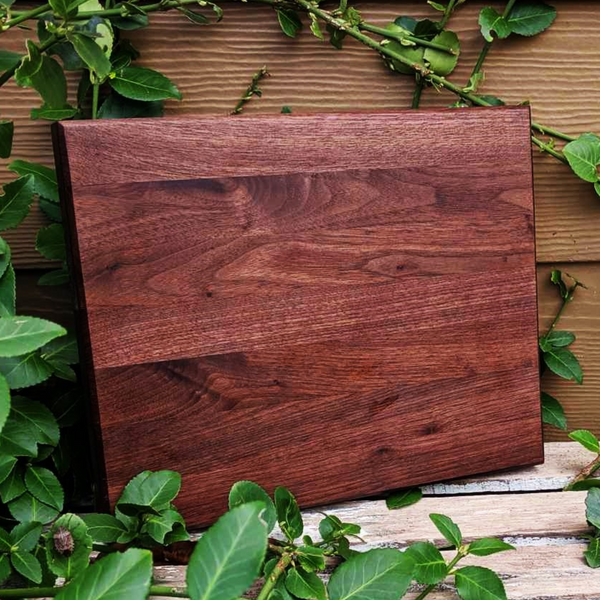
[245,303]
[547,528]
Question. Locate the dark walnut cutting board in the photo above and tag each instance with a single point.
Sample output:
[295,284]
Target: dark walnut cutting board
[342,304]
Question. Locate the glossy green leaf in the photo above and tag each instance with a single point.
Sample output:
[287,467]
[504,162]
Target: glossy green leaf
[5,256]
[592,553]
[592,505]
[50,242]
[491,21]
[587,439]
[63,349]
[487,546]
[103,528]
[583,155]
[5,568]
[43,485]
[530,18]
[119,575]
[28,508]
[53,114]
[118,107]
[305,585]
[289,21]
[20,335]
[331,528]
[288,514]
[158,527]
[13,485]
[552,412]
[403,498]
[194,17]
[91,54]
[311,558]
[8,60]
[380,574]
[139,83]
[7,129]
[8,292]
[7,464]
[441,62]
[27,565]
[414,54]
[15,202]
[228,557]
[248,491]
[564,363]
[478,583]
[25,536]
[448,528]
[44,178]
[560,339]
[68,546]
[430,566]
[25,370]
[131,22]
[4,402]
[149,491]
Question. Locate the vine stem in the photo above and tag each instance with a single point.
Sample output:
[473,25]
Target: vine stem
[49,592]
[416,99]
[24,16]
[586,472]
[95,94]
[448,13]
[547,148]
[432,587]
[401,37]
[274,575]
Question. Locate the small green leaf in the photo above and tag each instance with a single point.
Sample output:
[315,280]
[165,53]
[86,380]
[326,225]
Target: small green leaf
[592,505]
[159,526]
[552,412]
[27,565]
[248,491]
[5,568]
[7,464]
[13,485]
[289,21]
[478,583]
[430,566]
[119,575]
[443,63]
[560,339]
[583,155]
[311,558]
[403,498]
[25,536]
[288,514]
[103,528]
[315,27]
[91,54]
[53,114]
[530,18]
[305,585]
[332,529]
[27,508]
[587,439]
[44,178]
[50,242]
[25,371]
[380,574]
[592,554]
[491,21]
[63,349]
[43,485]
[487,546]
[448,528]
[19,335]
[228,557]
[557,280]
[56,277]
[15,202]
[149,492]
[190,15]
[139,83]
[118,107]
[7,293]
[564,363]
[68,562]
[7,129]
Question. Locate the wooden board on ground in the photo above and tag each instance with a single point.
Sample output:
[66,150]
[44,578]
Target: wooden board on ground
[349,290]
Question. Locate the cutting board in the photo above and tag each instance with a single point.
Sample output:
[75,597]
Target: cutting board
[339,303]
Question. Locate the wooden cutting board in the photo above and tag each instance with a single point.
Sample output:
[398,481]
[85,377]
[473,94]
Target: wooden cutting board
[343,304]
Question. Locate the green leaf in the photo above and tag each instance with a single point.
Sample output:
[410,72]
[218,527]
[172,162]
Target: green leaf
[305,585]
[430,566]
[15,202]
[592,505]
[331,528]
[336,37]
[415,54]
[7,129]
[27,565]
[8,60]
[530,18]
[63,349]
[311,558]
[228,557]
[583,155]
[149,491]
[67,408]
[56,277]
[43,485]
[25,371]
[118,107]
[564,363]
[7,293]
[5,568]
[491,21]
[138,83]
[441,62]
[44,178]
[118,575]
[587,439]
[159,526]
[5,256]
[288,514]
[560,339]
[448,528]
[248,491]
[50,242]
[131,22]
[25,536]
[403,498]
[552,412]
[28,508]
[53,114]
[289,21]
[194,17]
[5,541]
[19,335]
[13,485]
[487,546]
[7,464]
[91,54]
[315,27]
[68,546]
[478,583]
[557,280]
[4,403]
[380,574]
[592,554]
[103,528]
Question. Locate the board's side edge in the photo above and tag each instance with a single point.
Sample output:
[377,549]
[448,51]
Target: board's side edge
[92,412]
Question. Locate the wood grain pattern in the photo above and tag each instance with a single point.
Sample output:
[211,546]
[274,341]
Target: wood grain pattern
[352,294]
[212,65]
